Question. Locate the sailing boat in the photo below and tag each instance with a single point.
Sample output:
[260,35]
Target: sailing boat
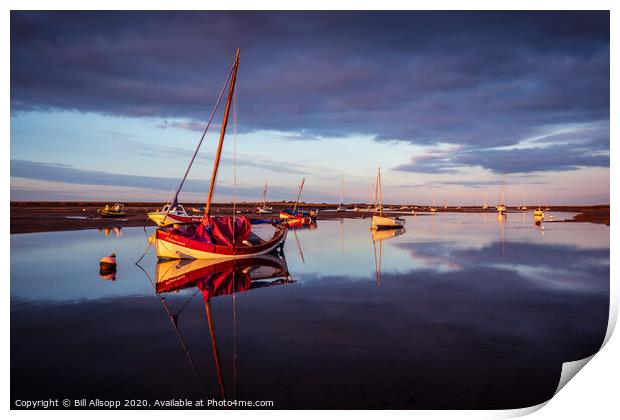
[485,205]
[379,221]
[539,215]
[433,209]
[523,206]
[217,236]
[341,207]
[501,207]
[298,215]
[264,209]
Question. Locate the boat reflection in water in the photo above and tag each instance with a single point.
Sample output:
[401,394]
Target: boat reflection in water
[380,236]
[501,224]
[214,278]
[117,231]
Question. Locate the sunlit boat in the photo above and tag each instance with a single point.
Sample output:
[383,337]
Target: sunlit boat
[539,215]
[264,208]
[341,207]
[501,207]
[116,210]
[298,215]
[217,236]
[173,214]
[379,221]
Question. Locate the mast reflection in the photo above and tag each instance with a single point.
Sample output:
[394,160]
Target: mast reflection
[216,278]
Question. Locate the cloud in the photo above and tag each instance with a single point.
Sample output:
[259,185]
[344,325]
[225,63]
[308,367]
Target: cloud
[68,174]
[480,80]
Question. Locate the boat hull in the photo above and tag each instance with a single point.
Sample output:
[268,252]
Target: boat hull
[161,219]
[383,222]
[168,246]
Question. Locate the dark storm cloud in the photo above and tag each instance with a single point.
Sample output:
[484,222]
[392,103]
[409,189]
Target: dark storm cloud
[476,79]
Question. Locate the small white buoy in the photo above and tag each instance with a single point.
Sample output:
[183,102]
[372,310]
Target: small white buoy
[107,267]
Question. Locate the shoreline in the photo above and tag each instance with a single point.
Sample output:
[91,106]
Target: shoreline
[35,217]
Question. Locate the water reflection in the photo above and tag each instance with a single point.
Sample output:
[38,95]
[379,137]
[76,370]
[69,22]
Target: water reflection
[215,278]
[115,231]
[380,236]
[471,313]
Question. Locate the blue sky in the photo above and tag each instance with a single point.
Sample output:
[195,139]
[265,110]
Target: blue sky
[109,106]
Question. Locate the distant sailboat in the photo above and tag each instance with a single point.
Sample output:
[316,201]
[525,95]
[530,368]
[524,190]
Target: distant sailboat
[523,206]
[341,207]
[298,215]
[501,206]
[379,221]
[433,209]
[263,208]
[539,215]
[485,204]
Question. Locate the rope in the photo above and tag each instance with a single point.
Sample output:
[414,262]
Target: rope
[204,133]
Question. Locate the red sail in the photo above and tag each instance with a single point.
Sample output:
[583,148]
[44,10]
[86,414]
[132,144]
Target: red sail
[224,230]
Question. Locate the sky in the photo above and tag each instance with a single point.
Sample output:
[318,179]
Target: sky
[456,105]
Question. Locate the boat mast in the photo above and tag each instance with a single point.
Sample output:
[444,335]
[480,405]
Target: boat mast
[265,196]
[216,165]
[380,192]
[342,191]
[301,187]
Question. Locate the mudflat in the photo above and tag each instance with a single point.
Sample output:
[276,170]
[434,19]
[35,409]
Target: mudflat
[39,216]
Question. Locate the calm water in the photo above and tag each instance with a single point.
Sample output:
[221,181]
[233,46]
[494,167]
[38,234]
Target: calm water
[460,311]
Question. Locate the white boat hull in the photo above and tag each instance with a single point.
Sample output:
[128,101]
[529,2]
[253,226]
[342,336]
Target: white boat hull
[163,219]
[379,222]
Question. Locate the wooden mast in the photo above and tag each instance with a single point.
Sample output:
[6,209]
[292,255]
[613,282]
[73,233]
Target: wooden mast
[301,187]
[216,165]
[376,198]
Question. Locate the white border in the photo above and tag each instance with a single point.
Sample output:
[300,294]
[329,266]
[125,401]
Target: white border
[594,394]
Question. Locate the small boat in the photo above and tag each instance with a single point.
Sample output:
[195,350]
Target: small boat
[341,207]
[298,215]
[379,221]
[501,207]
[539,215]
[117,210]
[263,208]
[433,208]
[173,214]
[217,236]
[485,205]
